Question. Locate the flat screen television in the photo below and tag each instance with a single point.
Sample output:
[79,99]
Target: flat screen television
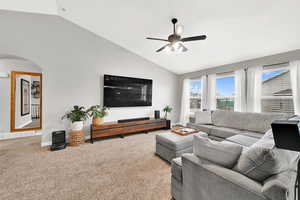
[122,91]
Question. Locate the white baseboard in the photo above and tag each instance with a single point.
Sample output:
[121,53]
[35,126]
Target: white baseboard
[6,136]
[44,144]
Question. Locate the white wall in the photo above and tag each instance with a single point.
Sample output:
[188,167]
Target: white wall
[74,62]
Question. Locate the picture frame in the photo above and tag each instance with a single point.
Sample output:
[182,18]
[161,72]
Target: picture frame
[35,89]
[25,97]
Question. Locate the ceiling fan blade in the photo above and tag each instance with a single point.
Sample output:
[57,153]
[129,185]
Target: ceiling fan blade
[150,38]
[189,39]
[162,48]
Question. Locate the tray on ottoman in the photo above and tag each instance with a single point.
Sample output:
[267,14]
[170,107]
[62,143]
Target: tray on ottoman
[184,131]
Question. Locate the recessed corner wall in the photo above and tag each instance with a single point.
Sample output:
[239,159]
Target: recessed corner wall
[74,61]
[10,63]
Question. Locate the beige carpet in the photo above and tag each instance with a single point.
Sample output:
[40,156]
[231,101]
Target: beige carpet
[111,169]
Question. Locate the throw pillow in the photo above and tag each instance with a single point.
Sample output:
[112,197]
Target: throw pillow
[203,117]
[268,135]
[259,162]
[223,153]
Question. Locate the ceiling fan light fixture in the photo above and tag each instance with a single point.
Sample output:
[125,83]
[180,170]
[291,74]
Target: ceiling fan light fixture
[179,29]
[180,49]
[176,45]
[168,48]
[175,41]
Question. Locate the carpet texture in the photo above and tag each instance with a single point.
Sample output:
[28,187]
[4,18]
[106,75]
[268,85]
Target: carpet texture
[110,169]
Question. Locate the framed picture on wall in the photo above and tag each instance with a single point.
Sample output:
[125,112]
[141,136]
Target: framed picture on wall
[35,89]
[25,97]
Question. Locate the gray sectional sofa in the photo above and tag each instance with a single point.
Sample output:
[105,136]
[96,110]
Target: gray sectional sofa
[195,178]
[240,127]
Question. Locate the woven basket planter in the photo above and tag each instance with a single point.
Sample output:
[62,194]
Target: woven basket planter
[76,138]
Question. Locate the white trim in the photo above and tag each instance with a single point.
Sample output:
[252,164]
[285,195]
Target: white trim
[225,75]
[9,135]
[277,68]
[45,144]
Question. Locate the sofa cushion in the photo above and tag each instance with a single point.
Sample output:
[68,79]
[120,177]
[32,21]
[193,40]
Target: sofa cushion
[221,153]
[256,122]
[203,117]
[260,122]
[201,127]
[227,119]
[204,180]
[176,168]
[216,138]
[243,140]
[252,134]
[259,163]
[176,142]
[224,132]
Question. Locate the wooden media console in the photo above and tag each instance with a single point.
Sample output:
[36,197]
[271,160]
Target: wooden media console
[123,128]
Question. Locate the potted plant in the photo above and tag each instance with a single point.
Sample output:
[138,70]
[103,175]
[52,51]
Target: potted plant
[167,110]
[97,113]
[77,116]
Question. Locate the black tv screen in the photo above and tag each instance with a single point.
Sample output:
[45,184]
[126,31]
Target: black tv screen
[122,91]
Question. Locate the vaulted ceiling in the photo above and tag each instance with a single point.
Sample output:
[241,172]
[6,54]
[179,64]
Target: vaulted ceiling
[236,30]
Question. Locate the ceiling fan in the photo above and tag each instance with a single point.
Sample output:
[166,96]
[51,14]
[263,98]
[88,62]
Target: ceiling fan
[175,42]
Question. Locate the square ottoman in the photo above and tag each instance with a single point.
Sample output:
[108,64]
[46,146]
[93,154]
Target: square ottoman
[170,145]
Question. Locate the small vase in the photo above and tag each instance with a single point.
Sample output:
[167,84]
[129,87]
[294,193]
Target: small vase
[77,126]
[97,121]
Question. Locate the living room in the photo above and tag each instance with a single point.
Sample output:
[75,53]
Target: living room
[220,72]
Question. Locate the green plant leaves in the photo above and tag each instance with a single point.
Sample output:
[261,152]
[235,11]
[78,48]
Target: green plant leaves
[168,109]
[78,113]
[97,111]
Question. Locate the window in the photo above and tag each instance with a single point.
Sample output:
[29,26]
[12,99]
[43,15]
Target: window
[225,92]
[195,95]
[276,91]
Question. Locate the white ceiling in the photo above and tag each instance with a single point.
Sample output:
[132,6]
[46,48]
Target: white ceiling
[35,6]
[236,30]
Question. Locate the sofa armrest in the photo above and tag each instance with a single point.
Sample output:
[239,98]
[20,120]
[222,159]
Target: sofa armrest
[205,180]
[280,186]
